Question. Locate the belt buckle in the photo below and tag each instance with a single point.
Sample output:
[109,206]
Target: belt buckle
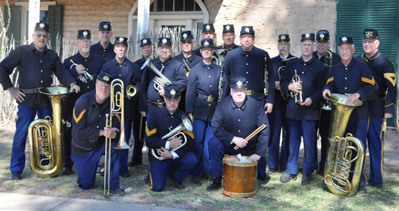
[209,98]
[159,104]
[249,92]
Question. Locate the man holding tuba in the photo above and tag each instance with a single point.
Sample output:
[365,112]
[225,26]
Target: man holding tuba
[129,72]
[90,129]
[174,154]
[278,158]
[79,65]
[36,65]
[354,79]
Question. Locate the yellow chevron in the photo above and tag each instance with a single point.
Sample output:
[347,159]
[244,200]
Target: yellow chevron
[330,79]
[148,132]
[77,119]
[189,133]
[391,77]
[370,81]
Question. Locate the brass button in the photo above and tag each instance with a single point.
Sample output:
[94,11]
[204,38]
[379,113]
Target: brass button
[41,61]
[209,68]
[210,85]
[104,50]
[247,73]
[247,64]
[99,115]
[246,55]
[239,109]
[170,127]
[239,131]
[246,82]
[346,88]
[209,104]
[41,70]
[346,78]
[239,120]
[304,64]
[120,75]
[209,76]
[41,81]
[171,117]
[98,126]
[85,60]
[88,87]
[120,66]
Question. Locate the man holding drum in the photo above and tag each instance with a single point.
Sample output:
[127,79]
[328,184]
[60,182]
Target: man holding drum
[235,118]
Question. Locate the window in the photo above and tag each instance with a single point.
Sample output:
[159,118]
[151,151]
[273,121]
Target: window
[174,5]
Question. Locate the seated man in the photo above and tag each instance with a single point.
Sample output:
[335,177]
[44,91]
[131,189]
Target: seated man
[176,163]
[89,132]
[235,118]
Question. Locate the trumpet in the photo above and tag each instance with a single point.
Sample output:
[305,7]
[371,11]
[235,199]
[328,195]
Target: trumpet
[84,76]
[296,94]
[185,125]
[131,91]
[160,80]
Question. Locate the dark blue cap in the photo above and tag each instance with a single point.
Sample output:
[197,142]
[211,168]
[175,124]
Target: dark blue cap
[208,42]
[323,36]
[247,30]
[84,33]
[345,40]
[145,41]
[42,26]
[283,38]
[186,35]
[171,90]
[308,36]
[238,82]
[370,33]
[208,27]
[164,41]
[105,26]
[105,76]
[228,28]
[122,40]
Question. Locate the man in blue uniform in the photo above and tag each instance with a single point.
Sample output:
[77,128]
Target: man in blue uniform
[354,79]
[187,57]
[127,71]
[303,110]
[139,121]
[104,47]
[278,157]
[381,104]
[36,65]
[208,31]
[228,38]
[151,99]
[255,66]
[235,117]
[78,64]
[203,90]
[89,133]
[323,54]
[175,162]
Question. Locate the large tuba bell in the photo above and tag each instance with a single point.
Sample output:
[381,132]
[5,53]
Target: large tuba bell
[340,150]
[46,140]
[185,125]
[160,79]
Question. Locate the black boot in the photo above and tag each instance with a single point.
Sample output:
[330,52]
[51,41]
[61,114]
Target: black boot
[217,183]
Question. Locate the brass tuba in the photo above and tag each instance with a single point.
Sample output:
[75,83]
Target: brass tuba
[160,79]
[46,140]
[185,125]
[341,149]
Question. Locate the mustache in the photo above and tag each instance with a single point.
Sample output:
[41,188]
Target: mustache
[281,49]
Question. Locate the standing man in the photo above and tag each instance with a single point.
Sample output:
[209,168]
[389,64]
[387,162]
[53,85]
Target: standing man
[139,121]
[127,71]
[329,58]
[78,64]
[150,98]
[354,79]
[255,66]
[278,157]
[203,90]
[177,163]
[104,47]
[381,104]
[36,65]
[89,133]
[237,116]
[208,31]
[228,38]
[303,114]
[187,57]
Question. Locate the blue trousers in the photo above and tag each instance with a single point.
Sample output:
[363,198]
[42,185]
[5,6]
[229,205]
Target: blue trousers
[359,130]
[202,133]
[324,131]
[86,166]
[25,116]
[159,170]
[376,150]
[276,156]
[137,156]
[306,129]
[125,152]
[67,143]
[217,150]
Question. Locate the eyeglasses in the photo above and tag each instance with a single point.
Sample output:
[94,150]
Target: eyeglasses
[103,85]
[39,35]
[206,49]
[186,42]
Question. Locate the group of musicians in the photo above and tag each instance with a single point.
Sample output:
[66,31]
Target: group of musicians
[225,99]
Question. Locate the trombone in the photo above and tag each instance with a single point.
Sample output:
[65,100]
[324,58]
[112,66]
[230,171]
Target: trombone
[116,108]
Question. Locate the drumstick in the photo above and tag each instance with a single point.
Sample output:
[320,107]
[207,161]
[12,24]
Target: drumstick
[250,136]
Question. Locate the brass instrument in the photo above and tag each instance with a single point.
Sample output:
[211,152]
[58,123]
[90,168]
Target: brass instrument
[185,125]
[296,94]
[160,80]
[131,91]
[266,79]
[280,71]
[84,76]
[116,108]
[46,140]
[221,53]
[187,68]
[254,133]
[328,58]
[340,150]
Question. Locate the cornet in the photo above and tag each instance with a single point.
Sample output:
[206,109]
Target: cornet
[296,94]
[84,76]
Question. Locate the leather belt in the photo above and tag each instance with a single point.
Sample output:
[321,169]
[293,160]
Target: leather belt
[31,91]
[209,98]
[254,92]
[82,148]
[156,104]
